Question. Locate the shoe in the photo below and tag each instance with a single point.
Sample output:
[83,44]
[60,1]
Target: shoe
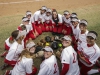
[7,72]
[4,54]
[4,66]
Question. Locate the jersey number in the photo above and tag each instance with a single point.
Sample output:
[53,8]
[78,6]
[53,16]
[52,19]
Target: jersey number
[55,67]
[74,60]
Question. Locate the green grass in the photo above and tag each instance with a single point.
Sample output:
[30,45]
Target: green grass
[10,23]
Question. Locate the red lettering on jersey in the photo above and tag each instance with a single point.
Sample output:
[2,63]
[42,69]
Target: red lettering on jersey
[55,66]
[74,60]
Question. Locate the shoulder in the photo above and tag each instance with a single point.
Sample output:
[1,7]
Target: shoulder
[27,60]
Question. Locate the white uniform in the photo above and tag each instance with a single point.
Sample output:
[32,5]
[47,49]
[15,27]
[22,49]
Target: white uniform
[23,66]
[47,19]
[67,21]
[7,42]
[37,16]
[15,51]
[60,18]
[49,66]
[92,53]
[82,38]
[76,31]
[69,56]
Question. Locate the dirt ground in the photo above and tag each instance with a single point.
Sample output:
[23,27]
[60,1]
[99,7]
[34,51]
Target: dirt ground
[14,7]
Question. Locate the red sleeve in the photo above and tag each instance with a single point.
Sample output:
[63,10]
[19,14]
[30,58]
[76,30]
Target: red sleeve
[64,69]
[88,62]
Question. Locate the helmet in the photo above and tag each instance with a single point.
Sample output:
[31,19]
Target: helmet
[47,38]
[54,45]
[38,48]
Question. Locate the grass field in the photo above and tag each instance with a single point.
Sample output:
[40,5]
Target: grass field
[10,23]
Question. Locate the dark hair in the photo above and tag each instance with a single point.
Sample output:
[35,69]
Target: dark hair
[28,11]
[23,27]
[74,13]
[94,33]
[14,34]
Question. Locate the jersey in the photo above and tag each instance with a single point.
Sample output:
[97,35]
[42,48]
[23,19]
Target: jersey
[23,66]
[66,21]
[92,53]
[49,66]
[69,56]
[7,42]
[47,19]
[15,51]
[76,31]
[82,38]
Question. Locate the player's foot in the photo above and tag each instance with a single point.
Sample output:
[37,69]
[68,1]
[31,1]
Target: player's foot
[4,54]
[4,66]
[7,72]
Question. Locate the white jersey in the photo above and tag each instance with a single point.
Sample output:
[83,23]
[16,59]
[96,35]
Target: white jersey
[47,19]
[15,51]
[60,18]
[23,66]
[67,21]
[92,53]
[76,31]
[38,17]
[49,66]
[82,38]
[7,42]
[69,56]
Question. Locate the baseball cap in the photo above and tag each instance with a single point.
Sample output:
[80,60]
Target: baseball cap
[25,19]
[84,22]
[49,10]
[28,13]
[92,35]
[30,44]
[66,12]
[73,15]
[67,38]
[47,48]
[43,8]
[74,19]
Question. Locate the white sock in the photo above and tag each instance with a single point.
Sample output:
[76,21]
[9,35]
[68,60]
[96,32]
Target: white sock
[92,71]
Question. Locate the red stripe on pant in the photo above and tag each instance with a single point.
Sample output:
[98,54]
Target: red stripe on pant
[11,63]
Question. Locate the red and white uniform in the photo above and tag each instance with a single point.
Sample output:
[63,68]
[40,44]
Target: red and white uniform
[76,31]
[69,56]
[38,20]
[7,43]
[48,23]
[92,53]
[14,53]
[57,28]
[67,26]
[23,66]
[49,66]
[82,38]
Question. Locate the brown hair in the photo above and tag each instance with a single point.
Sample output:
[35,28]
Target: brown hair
[14,34]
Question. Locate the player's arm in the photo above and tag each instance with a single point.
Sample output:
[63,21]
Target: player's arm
[81,56]
[64,69]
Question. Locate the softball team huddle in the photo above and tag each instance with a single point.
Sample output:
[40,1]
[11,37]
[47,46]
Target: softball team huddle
[78,52]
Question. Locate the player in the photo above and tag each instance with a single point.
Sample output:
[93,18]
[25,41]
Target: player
[69,58]
[56,22]
[25,65]
[83,32]
[38,19]
[67,30]
[48,20]
[88,54]
[16,48]
[49,66]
